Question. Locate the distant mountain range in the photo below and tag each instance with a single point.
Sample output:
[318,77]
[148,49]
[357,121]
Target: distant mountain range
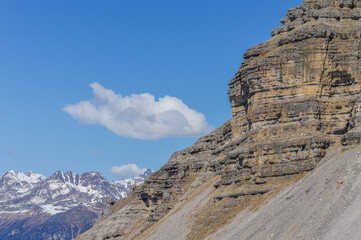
[61,206]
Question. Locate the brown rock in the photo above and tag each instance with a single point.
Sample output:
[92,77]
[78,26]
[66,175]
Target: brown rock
[293,97]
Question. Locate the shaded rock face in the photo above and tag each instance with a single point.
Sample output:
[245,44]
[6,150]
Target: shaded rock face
[294,97]
[64,225]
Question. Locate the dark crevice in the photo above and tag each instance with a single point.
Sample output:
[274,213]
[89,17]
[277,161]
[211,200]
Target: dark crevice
[348,124]
[352,6]
[324,64]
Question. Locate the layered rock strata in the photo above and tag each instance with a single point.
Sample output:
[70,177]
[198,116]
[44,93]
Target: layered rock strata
[293,97]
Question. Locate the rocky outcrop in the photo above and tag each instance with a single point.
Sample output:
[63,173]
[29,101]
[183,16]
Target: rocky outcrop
[322,205]
[294,96]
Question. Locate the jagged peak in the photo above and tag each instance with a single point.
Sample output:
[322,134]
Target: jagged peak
[93,173]
[147,172]
[313,10]
[317,4]
[12,172]
[29,176]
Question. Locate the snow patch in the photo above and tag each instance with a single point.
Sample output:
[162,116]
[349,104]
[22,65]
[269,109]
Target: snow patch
[24,193]
[52,209]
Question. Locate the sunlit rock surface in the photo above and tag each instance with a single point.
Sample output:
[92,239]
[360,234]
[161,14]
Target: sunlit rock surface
[295,97]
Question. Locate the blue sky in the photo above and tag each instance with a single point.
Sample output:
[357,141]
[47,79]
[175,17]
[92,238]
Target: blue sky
[51,51]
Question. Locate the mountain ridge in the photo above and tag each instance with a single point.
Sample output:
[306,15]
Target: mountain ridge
[30,202]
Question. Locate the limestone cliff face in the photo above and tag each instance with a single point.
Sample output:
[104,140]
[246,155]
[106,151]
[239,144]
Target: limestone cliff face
[294,97]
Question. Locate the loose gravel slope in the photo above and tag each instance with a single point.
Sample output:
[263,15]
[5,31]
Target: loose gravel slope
[325,204]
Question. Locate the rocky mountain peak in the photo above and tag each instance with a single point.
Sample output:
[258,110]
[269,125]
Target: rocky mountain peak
[64,176]
[91,176]
[146,173]
[295,97]
[26,177]
[14,183]
[313,10]
[30,202]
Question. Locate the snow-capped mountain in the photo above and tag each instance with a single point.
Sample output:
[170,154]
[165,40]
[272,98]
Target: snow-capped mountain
[32,200]
[14,184]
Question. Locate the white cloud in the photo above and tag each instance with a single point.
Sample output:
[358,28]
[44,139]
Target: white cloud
[139,115]
[127,171]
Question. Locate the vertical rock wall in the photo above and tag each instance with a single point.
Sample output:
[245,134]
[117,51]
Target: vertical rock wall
[294,96]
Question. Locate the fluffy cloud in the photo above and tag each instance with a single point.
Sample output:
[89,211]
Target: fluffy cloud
[127,171]
[139,115]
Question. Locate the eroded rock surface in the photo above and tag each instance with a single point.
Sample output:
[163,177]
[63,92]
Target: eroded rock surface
[294,96]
